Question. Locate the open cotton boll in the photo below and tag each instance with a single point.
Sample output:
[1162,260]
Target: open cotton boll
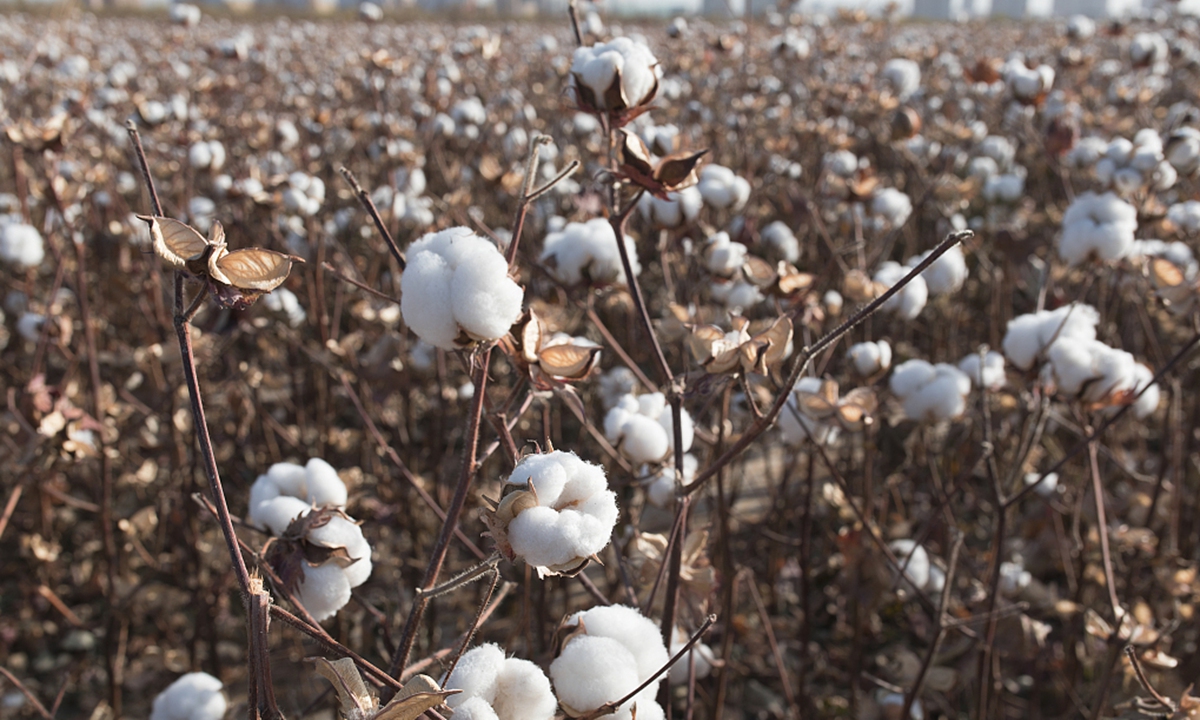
[782,241]
[1004,188]
[282,300]
[930,393]
[903,75]
[323,591]
[680,207]
[992,374]
[946,274]
[891,205]
[21,245]
[914,560]
[588,251]
[701,657]
[1148,402]
[509,688]
[456,289]
[617,649]
[594,69]
[641,427]
[1096,372]
[194,696]
[724,257]
[660,489]
[870,357]
[475,708]
[737,295]
[722,189]
[911,299]
[564,517]
[797,428]
[1100,226]
[475,674]
[1046,488]
[1027,336]
[615,384]
[896,700]
[1177,252]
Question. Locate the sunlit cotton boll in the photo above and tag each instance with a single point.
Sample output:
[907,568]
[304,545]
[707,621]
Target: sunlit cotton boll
[737,296]
[194,696]
[870,357]
[723,256]
[946,274]
[617,650]
[588,251]
[456,287]
[510,688]
[594,68]
[641,428]
[930,393]
[903,75]
[207,155]
[21,245]
[572,518]
[911,299]
[615,384]
[915,562]
[722,189]
[781,240]
[892,205]
[660,489]
[313,485]
[1099,226]
[1027,336]
[1097,373]
[680,207]
[992,374]
[798,428]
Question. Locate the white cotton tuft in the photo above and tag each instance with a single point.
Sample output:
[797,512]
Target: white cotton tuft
[892,205]
[21,245]
[194,696]
[523,692]
[588,251]
[474,708]
[594,68]
[797,427]
[573,517]
[700,657]
[903,75]
[641,428]
[722,189]
[457,283]
[910,301]
[930,393]
[324,590]
[475,674]
[1027,336]
[1100,226]
[284,301]
[946,274]
[914,560]
[660,489]
[737,295]
[992,375]
[870,357]
[1097,373]
[680,207]
[782,241]
[1046,488]
[724,257]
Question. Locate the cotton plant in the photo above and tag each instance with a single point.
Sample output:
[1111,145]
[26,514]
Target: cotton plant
[321,552]
[609,651]
[722,189]
[1027,336]
[929,392]
[560,514]
[456,290]
[642,429]
[497,687]
[1097,226]
[587,252]
[194,696]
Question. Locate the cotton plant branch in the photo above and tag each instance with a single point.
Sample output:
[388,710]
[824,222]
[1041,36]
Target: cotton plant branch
[368,204]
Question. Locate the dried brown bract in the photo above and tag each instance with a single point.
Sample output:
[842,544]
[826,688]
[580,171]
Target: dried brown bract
[674,172]
[549,360]
[736,351]
[852,411]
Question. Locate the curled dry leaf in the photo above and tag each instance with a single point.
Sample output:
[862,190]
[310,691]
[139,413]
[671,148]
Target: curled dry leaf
[782,280]
[548,362]
[852,412]
[355,702]
[740,351]
[671,173]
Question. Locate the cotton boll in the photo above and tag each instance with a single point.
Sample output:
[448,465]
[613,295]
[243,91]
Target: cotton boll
[1046,488]
[869,357]
[615,384]
[910,376]
[324,590]
[842,163]
[700,657]
[892,205]
[946,274]
[660,489]
[903,75]
[1080,27]
[911,299]
[284,301]
[21,245]
[588,251]
[475,674]
[634,631]
[1013,579]
[523,692]
[194,696]
[798,428]
[931,393]
[1027,336]
[724,257]
[593,70]
[722,189]
[1007,188]
[1148,402]
[914,560]
[737,296]
[833,302]
[278,513]
[680,207]
[591,671]
[992,375]
[474,708]
[782,241]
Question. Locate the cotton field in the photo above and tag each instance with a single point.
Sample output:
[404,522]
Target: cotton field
[808,367]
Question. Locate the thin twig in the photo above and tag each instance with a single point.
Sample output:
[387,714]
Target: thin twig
[365,198]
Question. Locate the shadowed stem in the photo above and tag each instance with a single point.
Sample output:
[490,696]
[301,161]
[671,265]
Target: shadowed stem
[369,205]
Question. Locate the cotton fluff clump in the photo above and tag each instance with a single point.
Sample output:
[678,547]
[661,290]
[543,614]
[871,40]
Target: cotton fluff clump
[1185,215]
[595,68]
[21,245]
[680,207]
[987,372]
[565,515]
[930,392]
[456,289]
[911,299]
[1128,166]
[641,428]
[1027,336]
[782,241]
[1097,373]
[287,492]
[1100,226]
[797,427]
[870,357]
[282,300]
[946,274]
[918,569]
[1027,84]
[737,295]
[723,256]
[722,189]
[1004,188]
[892,206]
[1183,150]
[615,650]
[588,251]
[701,657]
[207,155]
[903,75]
[194,696]
[660,489]
[305,194]
[498,687]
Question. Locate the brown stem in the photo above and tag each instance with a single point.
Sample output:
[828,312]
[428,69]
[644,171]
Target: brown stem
[365,198]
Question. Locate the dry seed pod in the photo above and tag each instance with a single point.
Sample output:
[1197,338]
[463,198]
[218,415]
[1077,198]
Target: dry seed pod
[906,124]
[674,172]
[852,412]
[355,702]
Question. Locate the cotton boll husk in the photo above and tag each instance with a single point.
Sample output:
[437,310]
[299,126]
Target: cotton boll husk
[913,558]
[194,696]
[909,302]
[324,590]
[21,245]
[593,670]
[475,674]
[473,708]
[946,274]
[523,692]
[869,357]
[992,376]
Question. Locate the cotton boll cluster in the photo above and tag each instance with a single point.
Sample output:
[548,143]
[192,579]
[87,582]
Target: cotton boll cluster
[304,194]
[469,115]
[616,384]
[930,393]
[495,687]
[1149,49]
[870,358]
[700,658]
[624,62]
[1099,374]
[282,300]
[944,275]
[1185,216]
[1005,188]
[1127,167]
[680,207]
[1027,336]
[21,245]
[1177,252]
[564,515]
[841,163]
[289,492]
[986,372]
[614,650]
[737,295]
[456,290]
[207,155]
[1027,84]
[919,570]
[782,241]
[911,299]
[903,76]
[1183,150]
[724,257]
[722,189]
[588,252]
[798,427]
[891,206]
[660,488]
[641,427]
[1097,226]
[194,696]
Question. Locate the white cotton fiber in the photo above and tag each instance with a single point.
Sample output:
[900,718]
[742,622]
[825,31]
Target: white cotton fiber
[903,75]
[475,674]
[21,245]
[724,257]
[588,251]
[869,357]
[641,428]
[911,299]
[596,67]
[992,376]
[680,207]
[1148,402]
[782,241]
[474,708]
[891,205]
[1027,336]
[1100,226]
[915,561]
[1097,373]
[660,489]
[737,296]
[930,392]
[278,513]
[457,282]
[797,427]
[722,189]
[700,657]
[324,590]
[194,696]
[523,692]
[946,274]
